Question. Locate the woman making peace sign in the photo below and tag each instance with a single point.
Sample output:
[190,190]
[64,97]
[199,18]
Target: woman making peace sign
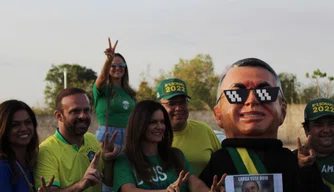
[149,161]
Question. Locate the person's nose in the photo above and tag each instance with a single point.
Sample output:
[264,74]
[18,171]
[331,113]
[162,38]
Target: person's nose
[328,127]
[251,99]
[82,115]
[23,126]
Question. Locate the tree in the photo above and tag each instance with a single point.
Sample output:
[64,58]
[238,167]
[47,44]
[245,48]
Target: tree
[77,76]
[290,87]
[322,85]
[198,73]
[145,92]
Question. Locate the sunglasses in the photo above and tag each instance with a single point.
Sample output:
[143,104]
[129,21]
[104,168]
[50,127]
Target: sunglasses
[121,65]
[263,95]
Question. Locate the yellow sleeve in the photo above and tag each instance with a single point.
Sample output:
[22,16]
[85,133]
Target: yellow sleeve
[47,166]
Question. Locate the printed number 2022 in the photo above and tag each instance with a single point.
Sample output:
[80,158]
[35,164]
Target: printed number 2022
[174,88]
[323,108]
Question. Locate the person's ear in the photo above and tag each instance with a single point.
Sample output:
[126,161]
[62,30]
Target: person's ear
[58,115]
[218,115]
[283,112]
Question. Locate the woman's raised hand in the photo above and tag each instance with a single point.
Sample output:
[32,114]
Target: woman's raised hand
[110,52]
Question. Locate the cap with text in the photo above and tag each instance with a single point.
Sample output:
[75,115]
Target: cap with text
[319,108]
[172,87]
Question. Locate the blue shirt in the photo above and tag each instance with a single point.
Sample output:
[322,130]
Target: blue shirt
[7,176]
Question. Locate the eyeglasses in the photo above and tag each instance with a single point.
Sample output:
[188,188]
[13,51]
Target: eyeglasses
[121,65]
[174,103]
[263,95]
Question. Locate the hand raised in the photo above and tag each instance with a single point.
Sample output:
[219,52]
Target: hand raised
[306,155]
[92,175]
[218,187]
[110,52]
[45,187]
[109,150]
[176,186]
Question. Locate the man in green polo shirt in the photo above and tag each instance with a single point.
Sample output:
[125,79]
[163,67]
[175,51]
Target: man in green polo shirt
[319,123]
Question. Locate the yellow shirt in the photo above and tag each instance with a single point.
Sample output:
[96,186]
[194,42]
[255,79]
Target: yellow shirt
[197,141]
[66,162]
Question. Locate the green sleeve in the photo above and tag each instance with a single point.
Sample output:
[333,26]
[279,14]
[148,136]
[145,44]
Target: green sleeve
[97,93]
[123,172]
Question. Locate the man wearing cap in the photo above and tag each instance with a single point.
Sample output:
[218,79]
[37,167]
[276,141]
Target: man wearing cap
[194,138]
[319,124]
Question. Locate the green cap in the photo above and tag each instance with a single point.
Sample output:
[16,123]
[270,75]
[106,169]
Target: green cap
[172,87]
[318,108]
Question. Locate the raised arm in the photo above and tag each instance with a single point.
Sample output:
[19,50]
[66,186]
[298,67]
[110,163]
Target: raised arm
[103,77]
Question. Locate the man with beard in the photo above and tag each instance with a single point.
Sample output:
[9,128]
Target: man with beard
[194,138]
[319,124]
[72,154]
[250,108]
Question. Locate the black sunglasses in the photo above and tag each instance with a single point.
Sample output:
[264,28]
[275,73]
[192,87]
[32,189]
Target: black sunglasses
[239,96]
[121,65]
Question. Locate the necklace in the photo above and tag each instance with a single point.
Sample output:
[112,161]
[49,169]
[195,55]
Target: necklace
[31,186]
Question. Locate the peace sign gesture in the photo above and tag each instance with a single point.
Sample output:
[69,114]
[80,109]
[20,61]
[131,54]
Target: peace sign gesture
[306,155]
[110,52]
[45,187]
[176,186]
[218,187]
[109,150]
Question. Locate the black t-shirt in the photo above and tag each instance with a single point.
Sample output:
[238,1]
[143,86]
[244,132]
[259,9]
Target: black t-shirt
[275,159]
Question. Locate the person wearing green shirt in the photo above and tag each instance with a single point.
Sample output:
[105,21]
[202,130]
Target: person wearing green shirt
[113,97]
[149,162]
[319,124]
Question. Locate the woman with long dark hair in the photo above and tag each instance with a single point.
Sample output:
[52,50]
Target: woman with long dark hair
[149,161]
[113,97]
[18,147]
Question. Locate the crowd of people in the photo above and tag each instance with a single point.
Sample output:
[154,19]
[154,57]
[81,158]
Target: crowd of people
[153,146]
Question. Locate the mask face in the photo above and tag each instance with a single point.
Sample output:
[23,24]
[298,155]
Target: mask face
[263,95]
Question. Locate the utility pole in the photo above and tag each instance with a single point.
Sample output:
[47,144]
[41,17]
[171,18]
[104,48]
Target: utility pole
[65,78]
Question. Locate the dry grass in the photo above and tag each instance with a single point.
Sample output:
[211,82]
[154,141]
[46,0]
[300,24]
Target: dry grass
[288,132]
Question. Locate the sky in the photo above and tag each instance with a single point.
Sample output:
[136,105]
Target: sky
[292,36]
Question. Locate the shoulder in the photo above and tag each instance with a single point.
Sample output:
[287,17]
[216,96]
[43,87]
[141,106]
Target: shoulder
[49,142]
[122,160]
[177,151]
[221,155]
[5,168]
[4,164]
[89,136]
[289,153]
[198,124]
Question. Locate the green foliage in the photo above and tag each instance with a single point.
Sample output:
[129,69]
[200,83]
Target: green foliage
[77,76]
[320,86]
[290,87]
[145,92]
[198,73]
